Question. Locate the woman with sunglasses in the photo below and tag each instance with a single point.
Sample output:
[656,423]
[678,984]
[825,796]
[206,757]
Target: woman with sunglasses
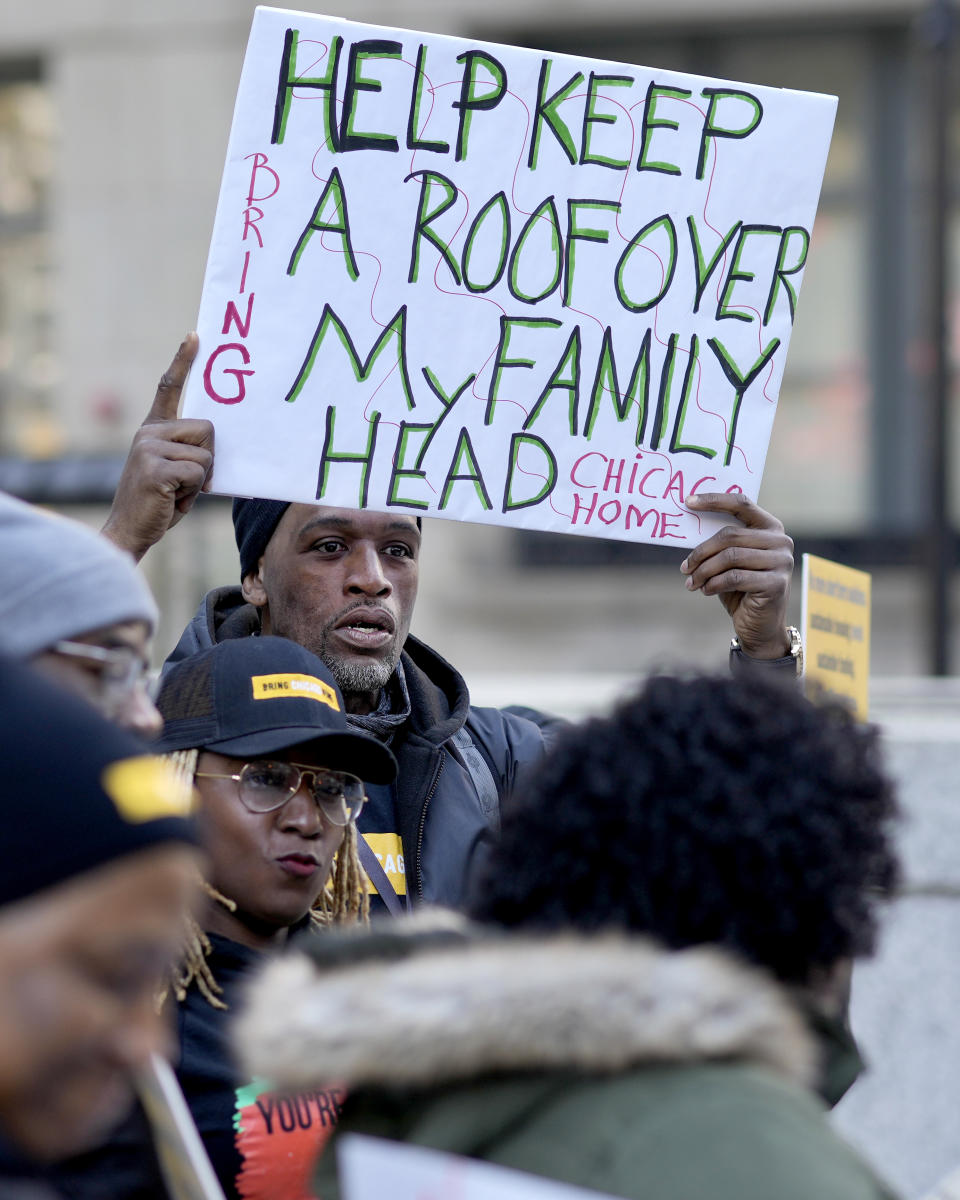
[259,725]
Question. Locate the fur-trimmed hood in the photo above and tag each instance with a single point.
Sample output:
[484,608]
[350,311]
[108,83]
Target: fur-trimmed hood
[438,1008]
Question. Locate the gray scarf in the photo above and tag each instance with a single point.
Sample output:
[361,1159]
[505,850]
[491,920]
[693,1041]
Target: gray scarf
[391,712]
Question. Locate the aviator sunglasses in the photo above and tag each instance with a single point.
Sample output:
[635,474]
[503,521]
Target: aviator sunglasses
[264,786]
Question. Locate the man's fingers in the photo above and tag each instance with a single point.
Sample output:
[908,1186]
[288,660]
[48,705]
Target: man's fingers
[189,470]
[167,400]
[181,478]
[185,431]
[172,468]
[185,503]
[740,581]
[743,571]
[733,540]
[738,505]
[182,481]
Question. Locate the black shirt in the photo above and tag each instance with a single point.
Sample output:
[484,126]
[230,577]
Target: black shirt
[261,1145]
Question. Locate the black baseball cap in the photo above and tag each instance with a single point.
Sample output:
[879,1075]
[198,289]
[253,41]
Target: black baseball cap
[258,695]
[79,792]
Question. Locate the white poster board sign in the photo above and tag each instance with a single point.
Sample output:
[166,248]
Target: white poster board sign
[493,284]
[372,1168]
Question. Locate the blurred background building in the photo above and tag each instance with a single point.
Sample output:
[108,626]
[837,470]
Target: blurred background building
[113,126]
[114,116]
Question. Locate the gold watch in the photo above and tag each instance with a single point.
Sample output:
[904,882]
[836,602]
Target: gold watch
[795,652]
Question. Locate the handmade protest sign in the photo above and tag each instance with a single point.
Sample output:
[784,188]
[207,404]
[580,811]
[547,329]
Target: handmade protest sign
[497,285]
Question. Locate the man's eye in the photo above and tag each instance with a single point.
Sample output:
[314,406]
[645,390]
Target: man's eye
[330,546]
[399,551]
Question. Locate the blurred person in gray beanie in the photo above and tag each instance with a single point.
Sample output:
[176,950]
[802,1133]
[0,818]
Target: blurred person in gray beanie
[78,608]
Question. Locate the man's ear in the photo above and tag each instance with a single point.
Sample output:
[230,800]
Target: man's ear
[252,587]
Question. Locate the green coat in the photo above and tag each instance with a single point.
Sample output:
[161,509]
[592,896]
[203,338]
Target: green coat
[602,1062]
[723,1132]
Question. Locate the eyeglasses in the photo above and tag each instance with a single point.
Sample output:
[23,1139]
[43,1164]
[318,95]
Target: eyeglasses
[120,670]
[266,786]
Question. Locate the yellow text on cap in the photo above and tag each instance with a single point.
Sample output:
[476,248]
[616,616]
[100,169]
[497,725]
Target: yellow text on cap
[146,789]
[269,687]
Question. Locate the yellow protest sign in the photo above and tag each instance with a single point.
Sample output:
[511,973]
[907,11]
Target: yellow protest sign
[836,630]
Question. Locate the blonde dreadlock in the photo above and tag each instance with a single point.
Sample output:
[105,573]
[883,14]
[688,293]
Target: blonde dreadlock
[343,901]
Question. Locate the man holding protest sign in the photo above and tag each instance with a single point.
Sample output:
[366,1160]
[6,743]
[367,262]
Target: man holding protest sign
[343,583]
[489,284]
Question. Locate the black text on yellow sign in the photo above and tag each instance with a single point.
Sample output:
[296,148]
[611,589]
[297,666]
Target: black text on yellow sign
[836,630]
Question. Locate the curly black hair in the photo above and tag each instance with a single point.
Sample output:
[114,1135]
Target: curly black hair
[705,810]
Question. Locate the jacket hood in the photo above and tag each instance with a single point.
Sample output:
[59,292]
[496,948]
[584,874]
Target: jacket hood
[438,691]
[440,701]
[491,1004]
[223,614]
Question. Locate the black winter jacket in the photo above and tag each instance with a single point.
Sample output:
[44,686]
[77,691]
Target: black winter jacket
[442,819]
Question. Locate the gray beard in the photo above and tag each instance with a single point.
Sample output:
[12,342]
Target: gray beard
[354,676]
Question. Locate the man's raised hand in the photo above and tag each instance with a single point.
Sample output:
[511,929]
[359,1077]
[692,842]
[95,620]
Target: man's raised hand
[748,564]
[170,463]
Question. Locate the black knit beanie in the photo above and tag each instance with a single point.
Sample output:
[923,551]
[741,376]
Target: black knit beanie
[253,524]
[77,792]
